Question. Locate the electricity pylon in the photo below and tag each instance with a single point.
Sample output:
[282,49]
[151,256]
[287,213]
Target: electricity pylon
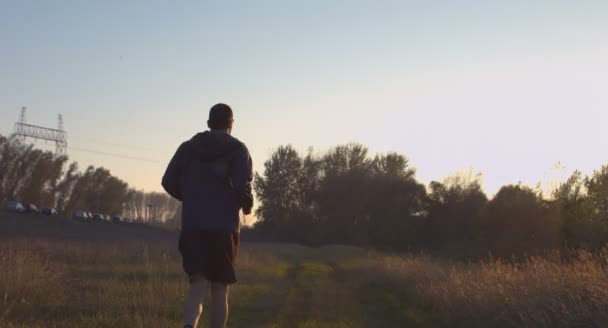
[59,135]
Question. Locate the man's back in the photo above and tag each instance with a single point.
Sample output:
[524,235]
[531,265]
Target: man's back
[211,174]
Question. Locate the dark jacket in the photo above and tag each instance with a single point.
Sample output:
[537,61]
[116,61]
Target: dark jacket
[211,175]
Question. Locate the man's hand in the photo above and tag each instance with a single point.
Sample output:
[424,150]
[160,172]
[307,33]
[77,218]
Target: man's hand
[247,203]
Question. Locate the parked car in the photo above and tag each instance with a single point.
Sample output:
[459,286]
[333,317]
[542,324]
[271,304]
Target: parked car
[80,216]
[30,208]
[15,206]
[48,211]
[117,219]
[98,217]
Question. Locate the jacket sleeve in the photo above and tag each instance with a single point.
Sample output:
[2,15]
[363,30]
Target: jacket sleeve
[172,178]
[242,177]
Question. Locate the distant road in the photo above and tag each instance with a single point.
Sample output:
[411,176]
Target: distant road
[56,227]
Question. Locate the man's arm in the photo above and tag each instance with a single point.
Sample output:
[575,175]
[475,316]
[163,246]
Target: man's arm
[242,177]
[172,178]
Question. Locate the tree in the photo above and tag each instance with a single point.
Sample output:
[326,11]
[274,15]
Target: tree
[279,192]
[570,201]
[98,191]
[341,197]
[65,187]
[518,220]
[11,149]
[455,209]
[395,203]
[19,169]
[393,165]
[597,194]
[595,209]
[39,185]
[4,160]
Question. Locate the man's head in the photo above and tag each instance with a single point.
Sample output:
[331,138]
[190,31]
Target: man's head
[220,117]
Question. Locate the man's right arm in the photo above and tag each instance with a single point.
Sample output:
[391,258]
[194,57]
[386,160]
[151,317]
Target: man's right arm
[172,178]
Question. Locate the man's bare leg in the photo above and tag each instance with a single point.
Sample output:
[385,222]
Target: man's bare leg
[193,305]
[219,305]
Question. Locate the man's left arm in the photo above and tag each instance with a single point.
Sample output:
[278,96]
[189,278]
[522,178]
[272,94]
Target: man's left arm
[242,177]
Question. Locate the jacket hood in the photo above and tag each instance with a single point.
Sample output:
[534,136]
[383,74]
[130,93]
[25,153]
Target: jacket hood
[211,145]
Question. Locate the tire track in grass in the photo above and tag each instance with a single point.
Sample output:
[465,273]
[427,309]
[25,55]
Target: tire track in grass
[256,298]
[391,306]
[318,296]
[382,302]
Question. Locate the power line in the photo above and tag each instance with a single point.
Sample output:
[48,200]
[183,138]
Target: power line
[59,136]
[96,141]
[133,158]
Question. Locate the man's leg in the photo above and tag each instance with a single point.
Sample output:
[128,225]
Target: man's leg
[193,306]
[219,305]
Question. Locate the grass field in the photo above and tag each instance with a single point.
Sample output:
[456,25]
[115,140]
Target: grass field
[74,277]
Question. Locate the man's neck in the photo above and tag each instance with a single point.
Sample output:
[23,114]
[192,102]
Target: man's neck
[226,131]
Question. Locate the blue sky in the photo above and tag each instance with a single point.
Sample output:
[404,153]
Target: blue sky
[508,88]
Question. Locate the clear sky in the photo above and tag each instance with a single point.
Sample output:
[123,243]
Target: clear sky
[508,88]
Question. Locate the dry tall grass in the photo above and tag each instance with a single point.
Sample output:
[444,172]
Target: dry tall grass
[537,292]
[140,284]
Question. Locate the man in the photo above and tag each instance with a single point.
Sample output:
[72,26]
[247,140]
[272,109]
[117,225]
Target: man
[211,175]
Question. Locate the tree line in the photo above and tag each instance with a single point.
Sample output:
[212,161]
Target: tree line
[35,176]
[346,196]
[343,196]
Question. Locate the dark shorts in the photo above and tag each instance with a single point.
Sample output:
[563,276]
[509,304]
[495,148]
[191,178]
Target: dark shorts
[209,254]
